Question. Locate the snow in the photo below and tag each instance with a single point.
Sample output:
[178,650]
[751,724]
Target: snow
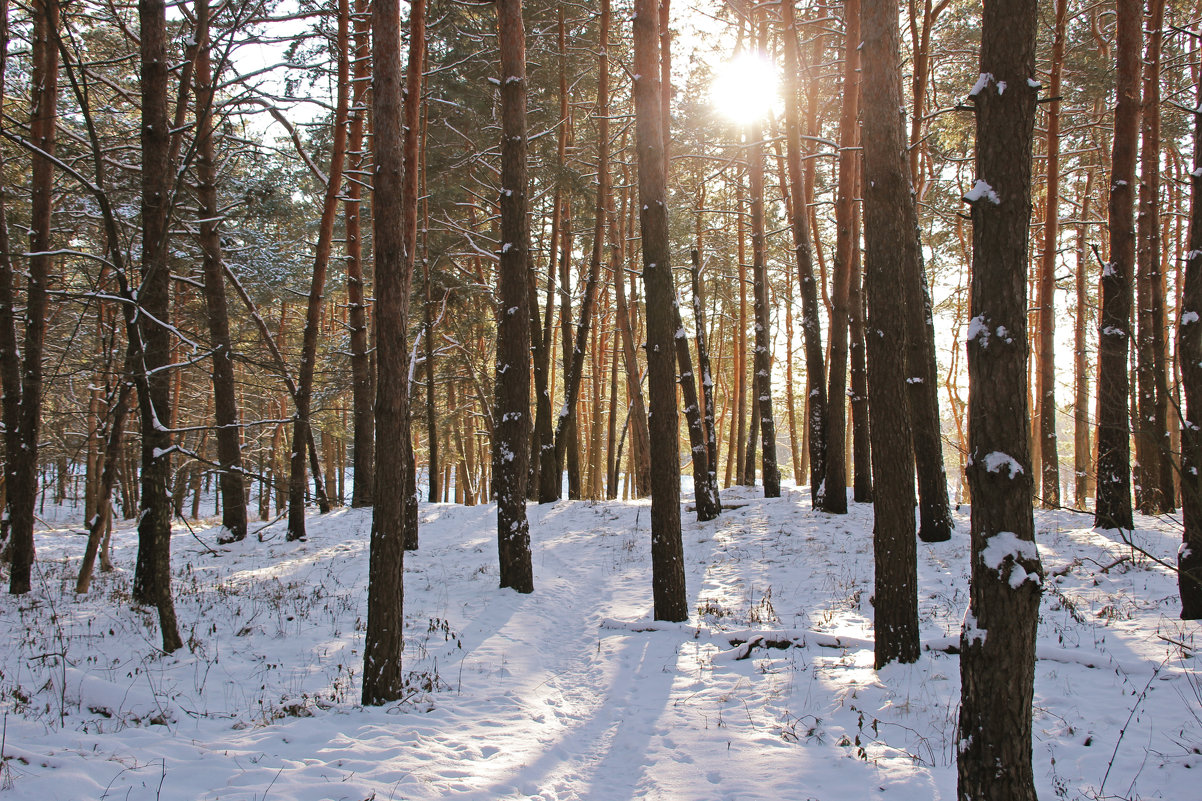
[982,81]
[998,462]
[982,189]
[1007,545]
[1189,317]
[574,692]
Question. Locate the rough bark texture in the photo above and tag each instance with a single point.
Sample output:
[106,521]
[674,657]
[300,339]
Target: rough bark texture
[935,517]
[861,429]
[362,378]
[1153,469]
[886,234]
[709,429]
[810,322]
[762,361]
[412,170]
[1113,504]
[512,416]
[1048,450]
[835,497]
[565,427]
[1082,452]
[152,577]
[667,552]
[997,644]
[382,677]
[1189,333]
[225,403]
[22,380]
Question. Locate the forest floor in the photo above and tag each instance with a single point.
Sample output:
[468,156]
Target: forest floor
[572,692]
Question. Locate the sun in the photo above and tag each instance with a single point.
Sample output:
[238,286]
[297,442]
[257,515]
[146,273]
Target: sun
[744,88]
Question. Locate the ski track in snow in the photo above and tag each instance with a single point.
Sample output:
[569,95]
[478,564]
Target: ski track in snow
[573,692]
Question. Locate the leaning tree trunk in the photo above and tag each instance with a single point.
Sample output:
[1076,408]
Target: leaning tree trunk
[225,403]
[1048,450]
[382,678]
[997,644]
[1113,503]
[810,322]
[835,497]
[667,552]
[707,379]
[512,415]
[1189,333]
[887,234]
[302,432]
[152,577]
[566,426]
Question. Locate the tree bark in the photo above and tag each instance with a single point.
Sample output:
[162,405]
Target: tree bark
[762,362]
[510,450]
[997,644]
[888,232]
[1113,503]
[1048,450]
[362,378]
[382,678]
[1082,452]
[1189,337]
[152,577]
[22,380]
[707,386]
[834,498]
[861,428]
[302,431]
[1154,469]
[225,404]
[810,322]
[667,552]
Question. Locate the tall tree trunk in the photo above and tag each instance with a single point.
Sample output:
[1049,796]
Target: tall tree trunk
[835,496]
[382,677]
[640,447]
[411,174]
[1113,504]
[667,552]
[888,232]
[302,430]
[152,577]
[362,380]
[566,426]
[707,384]
[1154,470]
[22,380]
[1048,450]
[1189,334]
[861,434]
[225,405]
[935,518]
[997,644]
[510,451]
[1082,452]
[762,403]
[810,322]
[432,436]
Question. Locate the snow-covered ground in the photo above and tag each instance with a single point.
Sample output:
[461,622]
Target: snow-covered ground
[572,692]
